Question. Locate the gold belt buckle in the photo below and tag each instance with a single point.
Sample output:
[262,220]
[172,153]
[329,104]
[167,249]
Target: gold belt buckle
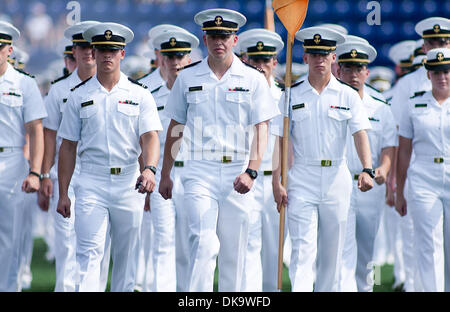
[1,149]
[356,177]
[268,172]
[438,160]
[325,163]
[116,170]
[226,159]
[179,164]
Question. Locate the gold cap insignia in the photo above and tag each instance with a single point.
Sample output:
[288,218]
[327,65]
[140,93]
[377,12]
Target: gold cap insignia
[108,34]
[218,20]
[440,56]
[437,28]
[353,53]
[259,45]
[317,38]
[173,42]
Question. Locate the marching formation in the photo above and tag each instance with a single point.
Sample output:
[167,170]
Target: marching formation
[179,171]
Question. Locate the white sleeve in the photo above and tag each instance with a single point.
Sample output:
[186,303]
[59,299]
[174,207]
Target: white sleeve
[52,106]
[405,128]
[33,105]
[148,117]
[263,105]
[277,122]
[176,107]
[359,120]
[390,135]
[70,128]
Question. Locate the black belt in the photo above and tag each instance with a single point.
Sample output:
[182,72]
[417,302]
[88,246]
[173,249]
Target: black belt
[115,170]
[438,160]
[226,159]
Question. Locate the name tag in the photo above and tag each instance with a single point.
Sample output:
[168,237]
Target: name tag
[297,106]
[11,93]
[374,119]
[197,88]
[129,102]
[237,89]
[160,108]
[84,104]
[421,105]
[340,107]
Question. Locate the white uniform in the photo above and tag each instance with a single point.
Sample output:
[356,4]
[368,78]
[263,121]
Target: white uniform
[406,87]
[261,264]
[108,126]
[428,125]
[365,208]
[319,183]
[64,237]
[20,103]
[218,115]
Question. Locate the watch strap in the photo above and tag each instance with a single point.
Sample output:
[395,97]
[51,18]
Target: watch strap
[151,168]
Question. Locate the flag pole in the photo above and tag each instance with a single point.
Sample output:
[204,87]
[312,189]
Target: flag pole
[269,22]
[284,155]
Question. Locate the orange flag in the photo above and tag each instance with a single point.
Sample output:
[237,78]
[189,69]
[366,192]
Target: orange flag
[292,14]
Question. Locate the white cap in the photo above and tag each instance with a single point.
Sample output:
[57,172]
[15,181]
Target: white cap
[297,70]
[351,38]
[8,33]
[20,55]
[438,59]
[220,21]
[260,43]
[356,52]
[134,64]
[340,29]
[433,27]
[319,40]
[75,32]
[108,35]
[419,60]
[159,29]
[400,53]
[381,77]
[175,42]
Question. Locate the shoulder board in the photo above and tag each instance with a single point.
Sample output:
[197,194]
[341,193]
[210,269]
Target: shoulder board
[417,94]
[294,85]
[344,83]
[389,99]
[280,85]
[254,67]
[380,100]
[190,65]
[156,90]
[144,76]
[137,82]
[80,84]
[24,72]
[59,79]
[368,85]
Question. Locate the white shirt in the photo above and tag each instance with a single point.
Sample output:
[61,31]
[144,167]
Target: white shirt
[428,125]
[218,114]
[109,124]
[152,80]
[405,88]
[20,103]
[55,102]
[382,135]
[319,122]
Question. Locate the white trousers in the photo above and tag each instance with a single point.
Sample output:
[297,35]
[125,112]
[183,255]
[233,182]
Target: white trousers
[144,273]
[362,227]
[319,199]
[429,206]
[181,230]
[218,224]
[13,170]
[261,263]
[108,201]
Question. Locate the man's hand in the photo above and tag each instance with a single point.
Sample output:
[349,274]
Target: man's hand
[280,195]
[64,206]
[390,195]
[147,202]
[380,176]
[165,187]
[43,201]
[146,182]
[243,183]
[400,205]
[365,182]
[30,184]
[46,187]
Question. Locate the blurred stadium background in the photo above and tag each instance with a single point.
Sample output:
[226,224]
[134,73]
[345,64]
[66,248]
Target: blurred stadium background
[42,25]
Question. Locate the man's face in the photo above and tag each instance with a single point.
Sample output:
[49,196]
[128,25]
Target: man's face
[354,74]
[430,44]
[220,46]
[83,55]
[5,52]
[440,79]
[319,63]
[70,63]
[268,65]
[173,63]
[108,60]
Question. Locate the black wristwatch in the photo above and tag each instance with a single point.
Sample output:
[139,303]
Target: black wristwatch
[369,171]
[151,168]
[252,173]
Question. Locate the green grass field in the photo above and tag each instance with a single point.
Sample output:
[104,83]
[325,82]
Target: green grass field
[44,273]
